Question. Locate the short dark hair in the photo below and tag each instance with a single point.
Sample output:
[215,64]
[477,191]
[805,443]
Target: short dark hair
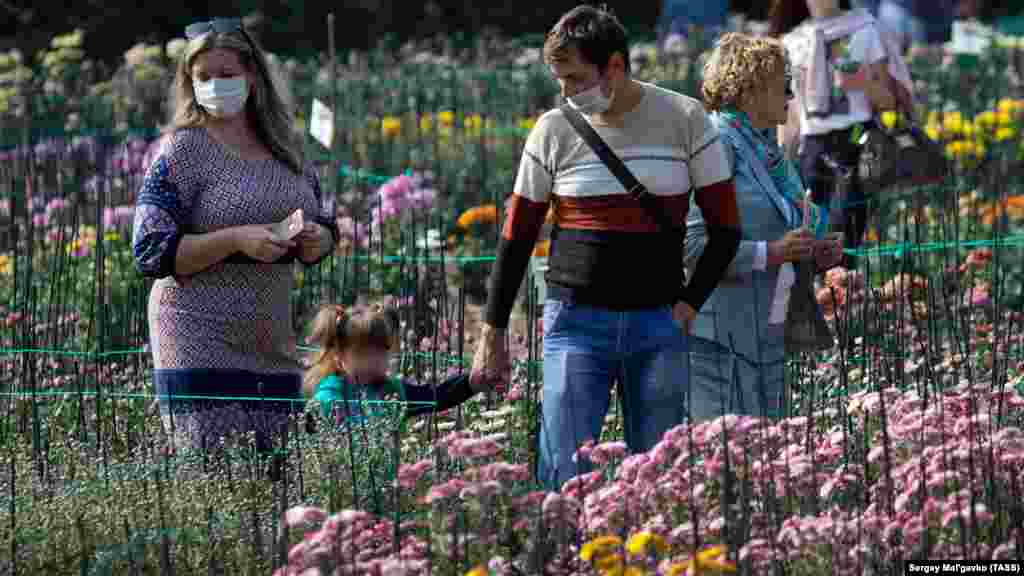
[592,30]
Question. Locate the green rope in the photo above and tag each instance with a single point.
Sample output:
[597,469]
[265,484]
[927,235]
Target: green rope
[897,249]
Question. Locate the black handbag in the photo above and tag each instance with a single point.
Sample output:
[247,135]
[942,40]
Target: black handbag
[899,156]
[633,187]
[806,329]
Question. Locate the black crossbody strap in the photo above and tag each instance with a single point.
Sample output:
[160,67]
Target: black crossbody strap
[633,186]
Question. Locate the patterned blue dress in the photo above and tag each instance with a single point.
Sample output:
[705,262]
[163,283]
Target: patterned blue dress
[222,340]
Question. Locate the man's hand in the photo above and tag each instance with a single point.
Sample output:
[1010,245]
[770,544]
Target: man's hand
[491,368]
[828,252]
[683,314]
[313,241]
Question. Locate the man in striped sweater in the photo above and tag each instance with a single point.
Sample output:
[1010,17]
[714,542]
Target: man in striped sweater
[616,296]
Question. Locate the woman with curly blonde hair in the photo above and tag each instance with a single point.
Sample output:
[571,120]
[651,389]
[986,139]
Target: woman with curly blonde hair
[738,344]
[207,230]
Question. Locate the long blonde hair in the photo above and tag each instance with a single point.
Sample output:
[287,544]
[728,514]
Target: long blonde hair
[270,110]
[336,329]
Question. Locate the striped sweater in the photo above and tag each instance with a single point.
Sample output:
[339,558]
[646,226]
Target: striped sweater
[606,250]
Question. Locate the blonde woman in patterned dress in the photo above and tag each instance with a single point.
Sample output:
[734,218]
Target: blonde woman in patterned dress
[220,318]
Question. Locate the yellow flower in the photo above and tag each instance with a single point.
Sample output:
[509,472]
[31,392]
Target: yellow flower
[1004,118]
[390,126]
[986,119]
[952,122]
[6,265]
[478,571]
[446,118]
[599,547]
[965,148]
[934,131]
[473,122]
[527,123]
[1010,105]
[639,543]
[1005,133]
[709,561]
[72,40]
[890,118]
[610,563]
[426,123]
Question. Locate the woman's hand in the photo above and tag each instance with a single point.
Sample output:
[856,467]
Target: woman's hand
[261,243]
[313,241]
[796,246]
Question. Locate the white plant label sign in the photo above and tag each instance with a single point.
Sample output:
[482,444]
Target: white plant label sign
[321,125]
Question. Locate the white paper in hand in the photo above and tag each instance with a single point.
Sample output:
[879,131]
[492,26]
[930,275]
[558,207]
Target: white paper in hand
[291,226]
[321,124]
[780,304]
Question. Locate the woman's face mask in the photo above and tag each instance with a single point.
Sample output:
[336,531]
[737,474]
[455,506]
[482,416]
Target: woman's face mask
[221,97]
[591,100]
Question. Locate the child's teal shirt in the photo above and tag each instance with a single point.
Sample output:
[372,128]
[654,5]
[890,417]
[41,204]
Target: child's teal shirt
[334,388]
[418,400]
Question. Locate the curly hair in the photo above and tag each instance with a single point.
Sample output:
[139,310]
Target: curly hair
[738,66]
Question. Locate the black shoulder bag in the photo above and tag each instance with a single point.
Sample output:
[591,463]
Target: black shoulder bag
[633,186]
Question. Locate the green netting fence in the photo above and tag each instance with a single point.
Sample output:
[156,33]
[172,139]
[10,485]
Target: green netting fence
[90,485]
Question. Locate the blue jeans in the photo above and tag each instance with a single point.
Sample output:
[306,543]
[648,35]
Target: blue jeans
[585,350]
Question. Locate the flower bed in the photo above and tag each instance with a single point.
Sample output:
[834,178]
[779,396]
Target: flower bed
[907,442]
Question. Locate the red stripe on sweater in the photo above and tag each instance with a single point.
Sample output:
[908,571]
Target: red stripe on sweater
[618,213]
[523,219]
[718,204]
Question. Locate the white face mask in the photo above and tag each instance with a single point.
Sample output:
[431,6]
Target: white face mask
[222,97]
[591,101]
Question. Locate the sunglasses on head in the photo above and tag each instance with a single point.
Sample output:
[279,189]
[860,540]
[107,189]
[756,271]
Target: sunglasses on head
[220,26]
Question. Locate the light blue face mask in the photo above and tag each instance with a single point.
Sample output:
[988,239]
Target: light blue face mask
[591,101]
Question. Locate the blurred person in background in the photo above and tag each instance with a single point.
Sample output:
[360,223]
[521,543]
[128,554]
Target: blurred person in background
[691,25]
[842,79]
[918,22]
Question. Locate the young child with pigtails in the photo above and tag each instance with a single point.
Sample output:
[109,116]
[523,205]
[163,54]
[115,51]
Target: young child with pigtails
[351,364]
